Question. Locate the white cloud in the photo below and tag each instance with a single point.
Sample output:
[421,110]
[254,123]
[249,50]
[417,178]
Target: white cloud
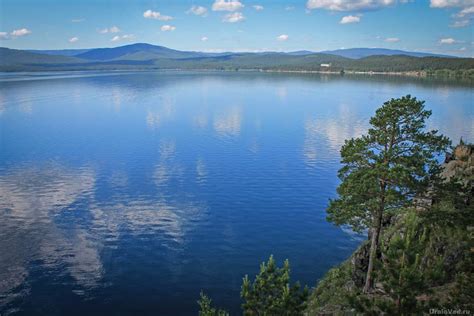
[78,20]
[166,28]
[392,39]
[282,37]
[233,17]
[4,36]
[204,38]
[289,8]
[350,19]
[20,32]
[197,10]
[14,34]
[258,7]
[447,41]
[227,5]
[117,38]
[148,14]
[466,8]
[466,11]
[460,23]
[73,39]
[450,3]
[112,29]
[349,5]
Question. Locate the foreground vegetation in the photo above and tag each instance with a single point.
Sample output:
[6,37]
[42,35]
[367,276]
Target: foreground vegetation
[419,256]
[269,294]
[425,260]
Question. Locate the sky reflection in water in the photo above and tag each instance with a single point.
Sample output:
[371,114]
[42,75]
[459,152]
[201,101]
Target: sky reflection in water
[128,193]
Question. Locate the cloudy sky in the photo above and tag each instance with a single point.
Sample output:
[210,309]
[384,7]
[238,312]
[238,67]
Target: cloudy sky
[441,26]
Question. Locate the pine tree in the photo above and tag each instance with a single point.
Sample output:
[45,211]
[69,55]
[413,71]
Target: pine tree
[385,169]
[271,293]
[407,270]
[206,309]
[402,273]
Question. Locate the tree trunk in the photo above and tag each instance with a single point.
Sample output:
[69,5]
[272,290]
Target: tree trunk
[373,251]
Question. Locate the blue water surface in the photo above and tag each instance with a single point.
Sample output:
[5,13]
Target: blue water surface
[129,193]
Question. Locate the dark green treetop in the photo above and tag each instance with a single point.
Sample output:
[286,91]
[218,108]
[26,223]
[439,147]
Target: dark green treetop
[271,293]
[387,167]
[206,308]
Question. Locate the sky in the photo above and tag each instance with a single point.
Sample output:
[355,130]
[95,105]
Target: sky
[439,26]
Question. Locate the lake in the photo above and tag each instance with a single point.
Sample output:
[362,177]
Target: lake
[129,193]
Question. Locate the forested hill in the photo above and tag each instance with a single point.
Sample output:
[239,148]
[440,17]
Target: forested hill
[146,56]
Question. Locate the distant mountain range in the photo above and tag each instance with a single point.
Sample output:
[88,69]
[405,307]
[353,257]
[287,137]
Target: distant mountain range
[139,51]
[357,53]
[160,51]
[147,56]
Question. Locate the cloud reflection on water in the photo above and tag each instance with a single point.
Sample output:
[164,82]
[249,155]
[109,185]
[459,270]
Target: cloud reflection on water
[51,216]
[163,112]
[163,161]
[228,124]
[327,134]
[30,200]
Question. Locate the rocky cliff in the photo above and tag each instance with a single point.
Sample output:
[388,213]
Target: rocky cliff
[438,238]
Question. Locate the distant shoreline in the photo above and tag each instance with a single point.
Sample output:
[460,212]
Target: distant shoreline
[419,74]
[413,73]
[407,74]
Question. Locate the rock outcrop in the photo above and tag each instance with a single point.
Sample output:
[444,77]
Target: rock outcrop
[349,277]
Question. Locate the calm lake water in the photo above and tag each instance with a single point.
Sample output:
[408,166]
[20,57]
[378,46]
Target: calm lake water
[129,193]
